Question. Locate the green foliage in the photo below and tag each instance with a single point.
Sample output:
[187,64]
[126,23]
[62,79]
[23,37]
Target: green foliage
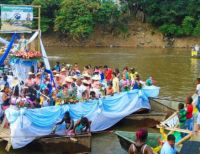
[196,31]
[75,18]
[188,25]
[48,13]
[168,29]
[172,17]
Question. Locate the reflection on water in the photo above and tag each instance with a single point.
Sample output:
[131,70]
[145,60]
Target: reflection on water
[173,69]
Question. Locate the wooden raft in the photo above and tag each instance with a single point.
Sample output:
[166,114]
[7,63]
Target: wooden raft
[5,134]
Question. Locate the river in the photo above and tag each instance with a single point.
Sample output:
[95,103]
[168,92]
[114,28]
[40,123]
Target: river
[173,69]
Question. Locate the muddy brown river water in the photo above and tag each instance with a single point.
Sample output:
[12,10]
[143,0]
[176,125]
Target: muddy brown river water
[173,69]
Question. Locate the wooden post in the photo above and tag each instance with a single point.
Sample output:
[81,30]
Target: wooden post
[39,25]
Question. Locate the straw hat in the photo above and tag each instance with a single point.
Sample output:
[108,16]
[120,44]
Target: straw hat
[96,78]
[63,70]
[68,79]
[86,75]
[57,75]
[30,73]
[75,77]
[39,73]
[86,82]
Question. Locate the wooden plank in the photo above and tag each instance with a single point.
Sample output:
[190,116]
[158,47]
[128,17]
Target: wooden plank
[175,129]
[184,139]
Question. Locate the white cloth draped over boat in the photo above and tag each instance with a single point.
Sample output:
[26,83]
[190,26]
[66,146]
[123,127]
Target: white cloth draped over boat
[27,124]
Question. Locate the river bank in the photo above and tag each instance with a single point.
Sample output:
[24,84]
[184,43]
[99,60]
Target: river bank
[139,35]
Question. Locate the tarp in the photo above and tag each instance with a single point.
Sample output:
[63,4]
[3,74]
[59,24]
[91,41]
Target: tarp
[27,124]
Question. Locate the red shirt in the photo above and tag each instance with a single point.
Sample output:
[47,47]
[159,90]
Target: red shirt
[189,111]
[109,74]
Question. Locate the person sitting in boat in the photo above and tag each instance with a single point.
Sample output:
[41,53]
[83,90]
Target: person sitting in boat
[30,81]
[82,126]
[137,82]
[4,81]
[69,124]
[124,83]
[93,95]
[169,145]
[115,83]
[6,96]
[150,81]
[109,89]
[57,66]
[140,146]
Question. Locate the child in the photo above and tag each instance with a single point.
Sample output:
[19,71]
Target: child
[82,126]
[92,95]
[109,89]
[69,124]
[189,115]
[182,117]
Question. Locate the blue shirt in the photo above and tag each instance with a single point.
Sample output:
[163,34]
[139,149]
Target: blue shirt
[167,149]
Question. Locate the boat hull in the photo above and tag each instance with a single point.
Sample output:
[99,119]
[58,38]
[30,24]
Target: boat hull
[62,144]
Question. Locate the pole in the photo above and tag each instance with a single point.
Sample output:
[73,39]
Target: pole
[39,22]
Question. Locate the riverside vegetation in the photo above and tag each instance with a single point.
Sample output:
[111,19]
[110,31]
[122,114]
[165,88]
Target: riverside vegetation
[77,19]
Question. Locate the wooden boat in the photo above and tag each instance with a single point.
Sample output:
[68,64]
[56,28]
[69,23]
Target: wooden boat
[46,144]
[127,138]
[159,112]
[63,144]
[195,54]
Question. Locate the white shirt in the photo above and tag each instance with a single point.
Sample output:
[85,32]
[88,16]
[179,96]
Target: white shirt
[80,90]
[198,89]
[167,149]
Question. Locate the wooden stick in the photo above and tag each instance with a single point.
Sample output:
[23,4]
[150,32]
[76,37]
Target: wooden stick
[175,129]
[174,114]
[184,139]
[172,130]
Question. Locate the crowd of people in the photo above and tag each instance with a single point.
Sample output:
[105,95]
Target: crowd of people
[67,84]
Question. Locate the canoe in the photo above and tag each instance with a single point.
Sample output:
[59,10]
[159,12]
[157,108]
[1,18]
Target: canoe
[195,54]
[127,138]
[159,112]
[62,144]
